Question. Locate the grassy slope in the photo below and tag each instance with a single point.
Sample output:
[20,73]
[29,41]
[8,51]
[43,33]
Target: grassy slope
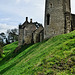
[54,56]
[8,49]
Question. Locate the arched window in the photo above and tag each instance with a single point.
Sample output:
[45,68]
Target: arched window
[48,19]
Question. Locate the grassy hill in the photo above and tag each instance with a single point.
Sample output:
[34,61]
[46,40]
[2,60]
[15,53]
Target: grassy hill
[55,56]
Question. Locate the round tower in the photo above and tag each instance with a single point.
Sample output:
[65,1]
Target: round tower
[55,20]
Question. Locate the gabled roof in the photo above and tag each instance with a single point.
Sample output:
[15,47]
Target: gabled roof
[29,23]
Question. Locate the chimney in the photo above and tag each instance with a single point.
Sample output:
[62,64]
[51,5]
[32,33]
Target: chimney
[26,19]
[30,20]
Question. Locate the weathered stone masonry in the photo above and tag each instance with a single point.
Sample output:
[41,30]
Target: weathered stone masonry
[30,32]
[73,22]
[58,20]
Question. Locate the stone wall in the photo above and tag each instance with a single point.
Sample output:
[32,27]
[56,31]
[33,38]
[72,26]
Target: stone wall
[55,17]
[21,37]
[30,32]
[73,22]
[67,26]
[38,35]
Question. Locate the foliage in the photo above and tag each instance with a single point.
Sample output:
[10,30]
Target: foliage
[2,38]
[52,57]
[3,35]
[12,35]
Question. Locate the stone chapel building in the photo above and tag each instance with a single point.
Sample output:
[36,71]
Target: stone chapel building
[58,20]
[30,32]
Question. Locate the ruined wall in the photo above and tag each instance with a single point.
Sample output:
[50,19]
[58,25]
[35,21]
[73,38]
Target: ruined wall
[42,35]
[73,22]
[67,6]
[21,37]
[30,32]
[67,26]
[67,12]
[38,35]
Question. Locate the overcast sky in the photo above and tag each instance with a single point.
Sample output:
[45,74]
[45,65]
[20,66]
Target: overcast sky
[13,12]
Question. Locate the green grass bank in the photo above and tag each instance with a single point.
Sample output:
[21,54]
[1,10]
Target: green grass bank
[55,56]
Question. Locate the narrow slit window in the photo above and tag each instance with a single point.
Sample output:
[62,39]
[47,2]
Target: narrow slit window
[48,19]
[50,5]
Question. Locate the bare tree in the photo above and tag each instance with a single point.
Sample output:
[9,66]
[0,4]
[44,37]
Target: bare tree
[12,35]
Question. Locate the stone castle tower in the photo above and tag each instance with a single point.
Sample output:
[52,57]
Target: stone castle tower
[57,18]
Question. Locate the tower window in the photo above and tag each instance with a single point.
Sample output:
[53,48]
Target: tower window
[50,5]
[48,19]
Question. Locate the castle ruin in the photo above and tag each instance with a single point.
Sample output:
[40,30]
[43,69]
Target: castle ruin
[30,32]
[58,20]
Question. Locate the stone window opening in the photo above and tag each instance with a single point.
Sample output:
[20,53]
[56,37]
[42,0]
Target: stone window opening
[48,19]
[50,5]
